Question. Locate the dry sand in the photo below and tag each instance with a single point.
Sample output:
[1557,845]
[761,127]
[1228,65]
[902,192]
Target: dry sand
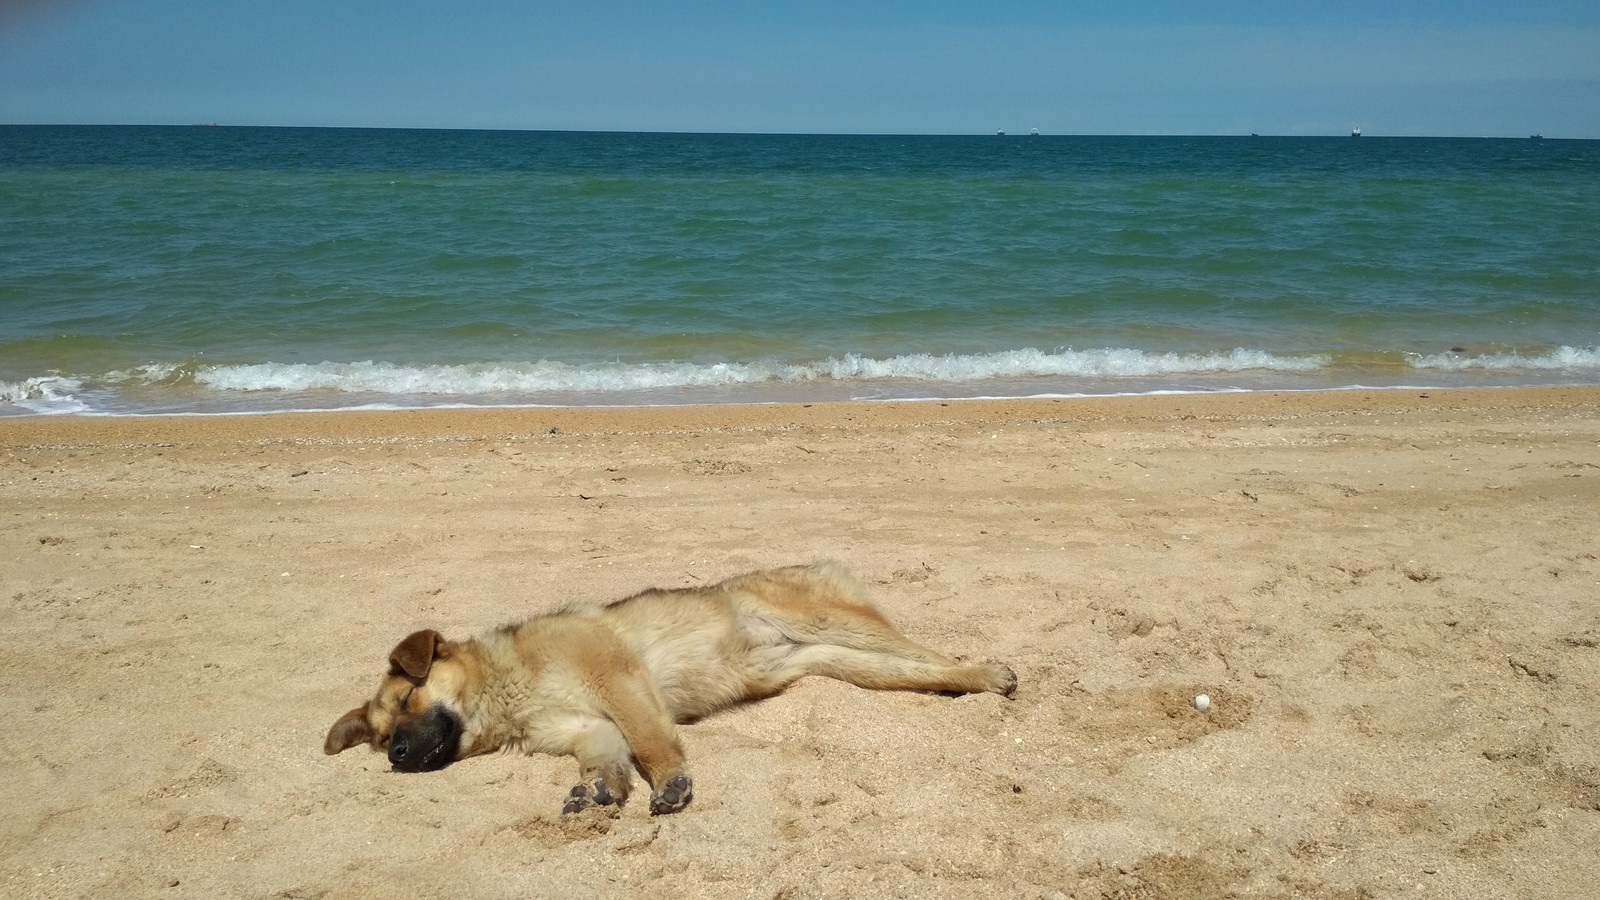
[1393,600]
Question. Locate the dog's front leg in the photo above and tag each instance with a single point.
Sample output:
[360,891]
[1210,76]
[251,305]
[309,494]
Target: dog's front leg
[652,738]
[603,756]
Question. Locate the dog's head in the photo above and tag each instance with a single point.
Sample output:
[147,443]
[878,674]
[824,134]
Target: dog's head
[417,713]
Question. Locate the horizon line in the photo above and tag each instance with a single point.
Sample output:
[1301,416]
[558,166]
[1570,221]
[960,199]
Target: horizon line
[1361,132]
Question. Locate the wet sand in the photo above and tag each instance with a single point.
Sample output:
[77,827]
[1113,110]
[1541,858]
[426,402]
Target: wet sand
[1392,598]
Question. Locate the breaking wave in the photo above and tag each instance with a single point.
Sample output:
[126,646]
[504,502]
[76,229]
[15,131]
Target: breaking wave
[498,378]
[46,395]
[202,388]
[1575,359]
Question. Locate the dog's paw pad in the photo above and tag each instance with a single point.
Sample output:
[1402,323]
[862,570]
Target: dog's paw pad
[673,796]
[584,796]
[577,801]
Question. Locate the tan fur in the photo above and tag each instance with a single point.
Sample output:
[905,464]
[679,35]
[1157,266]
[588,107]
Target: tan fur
[609,684]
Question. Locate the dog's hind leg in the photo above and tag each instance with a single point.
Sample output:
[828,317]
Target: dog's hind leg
[884,671]
[829,616]
[820,604]
[818,620]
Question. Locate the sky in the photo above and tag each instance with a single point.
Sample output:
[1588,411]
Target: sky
[1462,68]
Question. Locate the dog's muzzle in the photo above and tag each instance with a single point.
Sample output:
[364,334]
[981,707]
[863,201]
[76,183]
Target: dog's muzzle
[426,743]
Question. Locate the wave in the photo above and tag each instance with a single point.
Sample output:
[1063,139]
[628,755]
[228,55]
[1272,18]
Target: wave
[1575,359]
[46,395]
[386,378]
[195,387]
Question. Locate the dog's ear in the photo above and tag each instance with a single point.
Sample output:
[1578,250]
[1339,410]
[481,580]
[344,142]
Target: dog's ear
[414,656]
[351,729]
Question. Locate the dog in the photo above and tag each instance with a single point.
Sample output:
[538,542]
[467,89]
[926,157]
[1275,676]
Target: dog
[609,684]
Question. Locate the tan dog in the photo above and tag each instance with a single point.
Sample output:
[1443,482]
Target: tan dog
[608,684]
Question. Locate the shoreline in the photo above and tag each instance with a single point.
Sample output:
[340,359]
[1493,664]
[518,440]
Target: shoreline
[523,422]
[1023,373]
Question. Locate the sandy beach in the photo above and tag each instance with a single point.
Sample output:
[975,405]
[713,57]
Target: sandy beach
[1392,600]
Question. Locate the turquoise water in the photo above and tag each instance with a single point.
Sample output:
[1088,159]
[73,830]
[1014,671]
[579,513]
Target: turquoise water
[215,270]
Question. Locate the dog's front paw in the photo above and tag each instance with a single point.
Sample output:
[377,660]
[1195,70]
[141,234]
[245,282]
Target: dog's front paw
[672,796]
[589,795]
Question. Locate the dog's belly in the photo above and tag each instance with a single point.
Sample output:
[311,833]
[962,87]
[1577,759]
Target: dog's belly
[696,686]
[717,669]
[701,654]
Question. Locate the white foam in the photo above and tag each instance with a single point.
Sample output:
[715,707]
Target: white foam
[153,373]
[487,379]
[1102,363]
[45,395]
[1559,359]
[389,378]
[169,388]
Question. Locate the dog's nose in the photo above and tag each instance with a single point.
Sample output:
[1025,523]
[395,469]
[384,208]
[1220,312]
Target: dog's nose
[399,748]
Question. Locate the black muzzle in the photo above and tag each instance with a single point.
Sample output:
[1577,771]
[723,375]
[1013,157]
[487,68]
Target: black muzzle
[426,743]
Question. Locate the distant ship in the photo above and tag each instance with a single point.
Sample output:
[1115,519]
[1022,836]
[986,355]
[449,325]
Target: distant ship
[1034,132]
[1355,132]
[1001,133]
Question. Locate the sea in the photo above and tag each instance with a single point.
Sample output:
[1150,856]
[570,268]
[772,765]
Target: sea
[226,270]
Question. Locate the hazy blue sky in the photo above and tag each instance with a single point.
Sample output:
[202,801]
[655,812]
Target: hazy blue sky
[1471,67]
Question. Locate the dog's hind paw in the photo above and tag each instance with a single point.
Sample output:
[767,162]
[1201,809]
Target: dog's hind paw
[586,796]
[673,796]
[1006,680]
